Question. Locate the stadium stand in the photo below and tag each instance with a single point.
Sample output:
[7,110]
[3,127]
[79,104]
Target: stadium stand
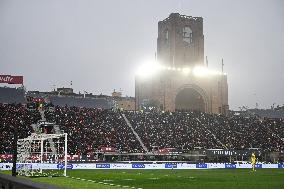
[189,130]
[11,116]
[91,129]
[12,95]
[80,102]
[270,113]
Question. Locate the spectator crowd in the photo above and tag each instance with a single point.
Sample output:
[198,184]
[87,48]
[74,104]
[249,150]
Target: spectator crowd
[91,129]
[15,118]
[189,130]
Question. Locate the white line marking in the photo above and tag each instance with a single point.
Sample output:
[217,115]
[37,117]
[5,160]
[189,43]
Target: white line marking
[128,179]
[111,184]
[153,178]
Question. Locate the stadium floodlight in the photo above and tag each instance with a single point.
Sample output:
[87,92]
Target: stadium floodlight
[163,67]
[201,71]
[149,68]
[186,71]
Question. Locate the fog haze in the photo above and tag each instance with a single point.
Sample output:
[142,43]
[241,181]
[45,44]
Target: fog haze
[98,45]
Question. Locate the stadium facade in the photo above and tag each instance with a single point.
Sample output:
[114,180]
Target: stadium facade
[184,81]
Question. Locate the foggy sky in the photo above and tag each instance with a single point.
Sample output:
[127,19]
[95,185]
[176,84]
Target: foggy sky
[99,44]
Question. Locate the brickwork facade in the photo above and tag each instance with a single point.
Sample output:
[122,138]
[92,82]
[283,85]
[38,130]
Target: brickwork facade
[180,41]
[180,45]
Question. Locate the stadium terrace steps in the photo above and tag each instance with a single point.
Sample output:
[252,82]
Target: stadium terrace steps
[218,141]
[52,146]
[134,132]
[35,127]
[57,129]
[42,115]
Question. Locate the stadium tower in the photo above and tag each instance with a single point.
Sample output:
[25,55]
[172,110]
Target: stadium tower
[180,80]
[181,41]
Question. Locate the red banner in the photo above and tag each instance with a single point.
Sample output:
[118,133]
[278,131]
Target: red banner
[11,79]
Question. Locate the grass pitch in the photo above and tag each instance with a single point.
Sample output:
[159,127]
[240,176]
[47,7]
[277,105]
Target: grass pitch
[169,179]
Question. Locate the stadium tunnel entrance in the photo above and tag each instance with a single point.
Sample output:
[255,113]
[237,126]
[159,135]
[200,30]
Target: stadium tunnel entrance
[189,99]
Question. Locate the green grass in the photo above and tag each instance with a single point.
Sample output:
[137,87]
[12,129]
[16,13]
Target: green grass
[172,179]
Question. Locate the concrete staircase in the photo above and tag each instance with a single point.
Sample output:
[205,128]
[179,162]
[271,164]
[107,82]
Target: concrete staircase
[214,136]
[42,115]
[134,132]
[56,131]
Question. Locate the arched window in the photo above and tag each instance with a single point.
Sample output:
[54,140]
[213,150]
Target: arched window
[167,35]
[187,34]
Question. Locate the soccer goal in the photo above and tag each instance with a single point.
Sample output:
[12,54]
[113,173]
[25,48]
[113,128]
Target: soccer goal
[42,155]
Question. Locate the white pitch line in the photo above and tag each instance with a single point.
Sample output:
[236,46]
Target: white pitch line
[153,178]
[111,184]
[128,179]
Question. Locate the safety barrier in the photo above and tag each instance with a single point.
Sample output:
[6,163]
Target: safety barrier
[147,165]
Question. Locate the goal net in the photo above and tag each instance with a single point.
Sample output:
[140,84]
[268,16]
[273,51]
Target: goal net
[42,155]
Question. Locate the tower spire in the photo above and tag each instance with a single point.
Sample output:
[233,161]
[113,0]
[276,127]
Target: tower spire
[206,62]
[222,65]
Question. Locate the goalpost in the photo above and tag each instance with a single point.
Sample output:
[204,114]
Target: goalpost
[42,155]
